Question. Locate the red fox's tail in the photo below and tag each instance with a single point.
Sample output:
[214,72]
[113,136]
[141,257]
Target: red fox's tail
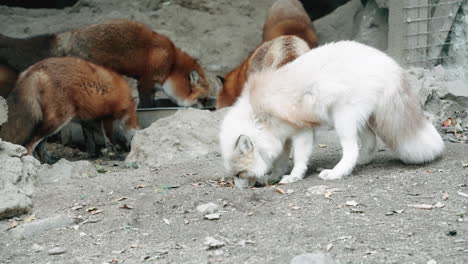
[24,110]
[403,126]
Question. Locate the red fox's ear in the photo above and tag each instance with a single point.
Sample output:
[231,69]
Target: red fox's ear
[244,144]
[221,79]
[194,77]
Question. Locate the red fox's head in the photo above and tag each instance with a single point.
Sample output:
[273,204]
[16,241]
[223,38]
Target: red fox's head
[187,84]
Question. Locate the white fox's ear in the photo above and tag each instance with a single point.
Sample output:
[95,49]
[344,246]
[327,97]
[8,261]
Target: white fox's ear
[194,77]
[244,144]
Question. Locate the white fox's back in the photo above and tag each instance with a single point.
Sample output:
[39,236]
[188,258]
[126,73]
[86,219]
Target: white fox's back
[309,91]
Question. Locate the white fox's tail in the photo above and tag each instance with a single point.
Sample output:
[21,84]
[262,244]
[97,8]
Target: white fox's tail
[402,125]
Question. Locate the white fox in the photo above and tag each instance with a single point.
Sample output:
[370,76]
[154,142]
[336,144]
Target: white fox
[357,89]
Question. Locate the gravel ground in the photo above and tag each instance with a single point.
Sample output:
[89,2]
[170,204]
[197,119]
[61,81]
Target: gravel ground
[387,212]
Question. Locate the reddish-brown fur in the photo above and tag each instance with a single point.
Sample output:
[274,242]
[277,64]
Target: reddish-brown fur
[127,47]
[284,18]
[133,49]
[288,17]
[7,80]
[53,91]
[274,53]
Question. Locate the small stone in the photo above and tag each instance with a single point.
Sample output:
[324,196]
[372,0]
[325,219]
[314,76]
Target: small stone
[37,248]
[432,261]
[213,243]
[214,216]
[312,258]
[56,251]
[208,208]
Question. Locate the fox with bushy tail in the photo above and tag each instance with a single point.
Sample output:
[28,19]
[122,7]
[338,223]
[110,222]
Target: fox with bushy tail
[332,85]
[55,91]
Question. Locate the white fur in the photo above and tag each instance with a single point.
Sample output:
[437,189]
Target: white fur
[168,88]
[355,88]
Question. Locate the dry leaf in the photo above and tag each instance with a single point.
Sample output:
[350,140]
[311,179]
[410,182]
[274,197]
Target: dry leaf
[166,221]
[278,190]
[91,209]
[121,199]
[29,218]
[126,206]
[139,186]
[463,194]
[96,212]
[12,225]
[329,247]
[328,194]
[322,145]
[447,122]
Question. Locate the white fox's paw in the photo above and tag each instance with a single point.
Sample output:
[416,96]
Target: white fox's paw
[329,175]
[289,179]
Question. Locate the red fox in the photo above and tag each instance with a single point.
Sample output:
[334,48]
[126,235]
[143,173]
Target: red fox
[288,17]
[274,53]
[7,80]
[52,92]
[127,47]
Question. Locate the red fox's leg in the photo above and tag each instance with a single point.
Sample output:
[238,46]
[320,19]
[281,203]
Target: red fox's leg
[107,131]
[90,140]
[146,90]
[43,154]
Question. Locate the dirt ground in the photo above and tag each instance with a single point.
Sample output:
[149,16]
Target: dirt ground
[128,215]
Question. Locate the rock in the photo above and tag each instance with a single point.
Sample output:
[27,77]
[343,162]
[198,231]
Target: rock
[18,177]
[208,208]
[14,202]
[372,26]
[3,110]
[56,251]
[212,243]
[182,137]
[37,248]
[28,230]
[214,216]
[65,170]
[340,24]
[313,258]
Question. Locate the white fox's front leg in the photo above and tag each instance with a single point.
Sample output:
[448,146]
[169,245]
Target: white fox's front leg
[302,146]
[346,126]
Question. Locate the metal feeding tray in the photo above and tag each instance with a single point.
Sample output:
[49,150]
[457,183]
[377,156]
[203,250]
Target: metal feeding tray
[165,107]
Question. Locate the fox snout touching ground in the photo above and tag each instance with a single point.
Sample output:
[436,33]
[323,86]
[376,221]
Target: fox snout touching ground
[271,54]
[331,85]
[127,47]
[288,17]
[54,91]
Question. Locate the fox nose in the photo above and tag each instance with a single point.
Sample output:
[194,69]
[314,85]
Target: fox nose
[203,100]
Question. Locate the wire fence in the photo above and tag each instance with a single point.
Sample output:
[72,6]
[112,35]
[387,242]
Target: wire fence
[427,29]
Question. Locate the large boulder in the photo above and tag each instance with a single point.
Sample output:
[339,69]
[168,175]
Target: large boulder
[17,180]
[182,137]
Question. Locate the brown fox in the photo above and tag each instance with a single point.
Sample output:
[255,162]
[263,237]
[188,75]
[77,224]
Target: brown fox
[127,47]
[288,17]
[7,80]
[274,53]
[52,92]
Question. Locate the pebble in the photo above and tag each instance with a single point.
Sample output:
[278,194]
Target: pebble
[56,251]
[313,258]
[208,208]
